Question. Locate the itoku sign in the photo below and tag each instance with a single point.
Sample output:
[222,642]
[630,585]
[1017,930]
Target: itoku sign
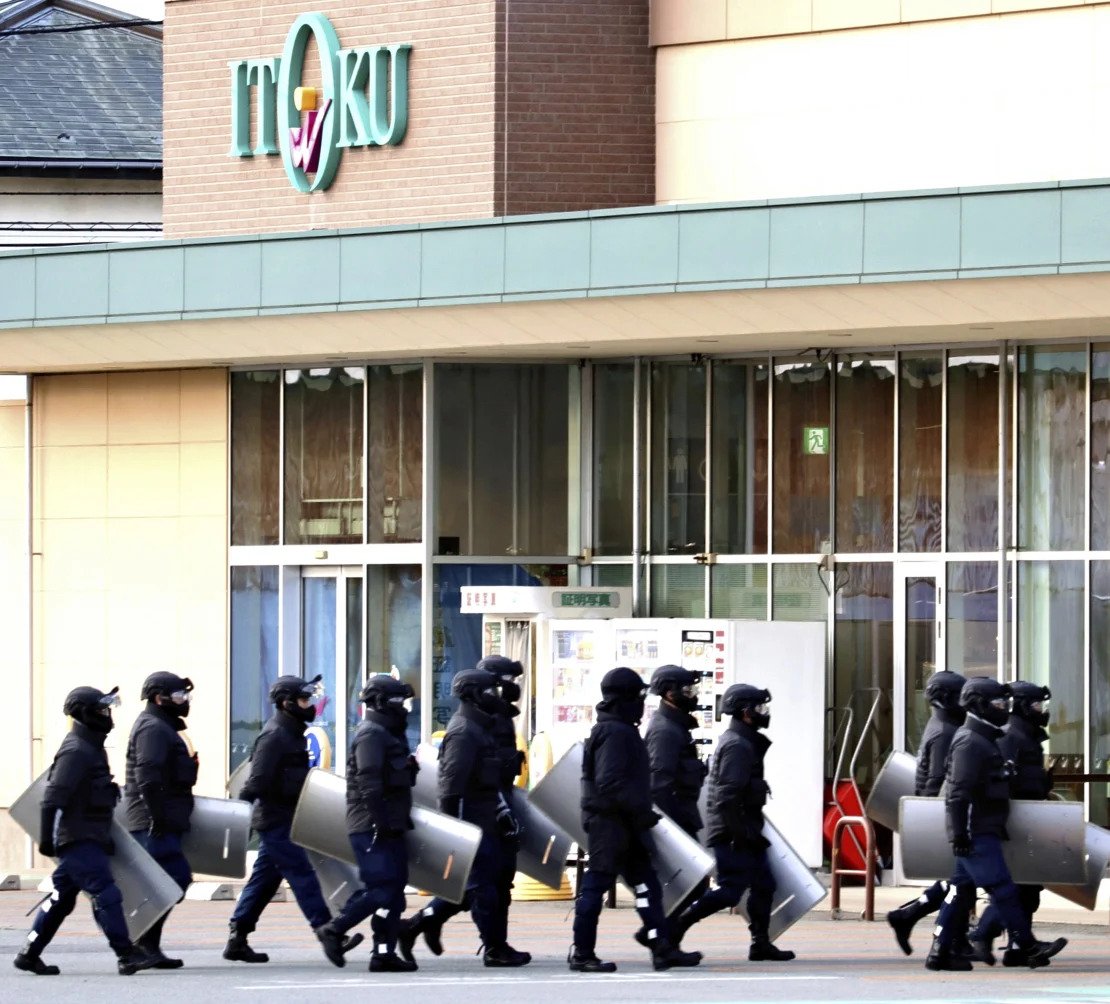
[362,100]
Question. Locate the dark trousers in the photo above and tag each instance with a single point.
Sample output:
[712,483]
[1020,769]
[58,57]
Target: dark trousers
[383,867]
[739,870]
[640,877]
[83,867]
[278,858]
[984,867]
[493,911]
[166,850]
[990,923]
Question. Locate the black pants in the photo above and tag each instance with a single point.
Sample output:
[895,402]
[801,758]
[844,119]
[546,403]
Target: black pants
[278,858]
[640,877]
[383,867]
[739,870]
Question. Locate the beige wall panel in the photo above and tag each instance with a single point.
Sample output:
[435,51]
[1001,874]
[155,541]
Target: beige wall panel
[13,481]
[144,407]
[11,425]
[689,21]
[928,10]
[204,406]
[144,480]
[928,105]
[202,541]
[71,410]
[829,15]
[141,634]
[71,633]
[758,17]
[71,481]
[143,553]
[1007,6]
[75,555]
[203,480]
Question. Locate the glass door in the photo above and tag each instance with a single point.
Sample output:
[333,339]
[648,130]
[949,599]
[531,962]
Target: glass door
[332,645]
[918,645]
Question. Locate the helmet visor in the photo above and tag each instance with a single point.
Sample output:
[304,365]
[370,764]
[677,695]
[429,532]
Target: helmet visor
[1041,707]
[762,709]
[109,701]
[182,697]
[1002,703]
[690,690]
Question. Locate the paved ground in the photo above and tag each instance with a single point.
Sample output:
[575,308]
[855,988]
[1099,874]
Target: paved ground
[846,960]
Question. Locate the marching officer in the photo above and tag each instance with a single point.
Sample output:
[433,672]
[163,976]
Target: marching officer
[381,772]
[75,828]
[161,773]
[470,771]
[618,816]
[737,795]
[278,768]
[511,762]
[1022,745]
[942,690]
[977,803]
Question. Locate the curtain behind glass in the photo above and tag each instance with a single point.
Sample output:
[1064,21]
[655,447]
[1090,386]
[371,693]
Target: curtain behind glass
[973,452]
[1100,448]
[612,459]
[678,458]
[865,455]
[254,654]
[395,453]
[1100,689]
[255,455]
[739,444]
[738,591]
[801,460]
[323,456]
[678,590]
[1051,447]
[972,615]
[393,635]
[799,593]
[920,407]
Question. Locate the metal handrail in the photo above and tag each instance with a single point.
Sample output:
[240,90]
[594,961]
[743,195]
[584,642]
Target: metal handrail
[868,872]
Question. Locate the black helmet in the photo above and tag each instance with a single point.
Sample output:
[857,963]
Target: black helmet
[503,668]
[289,688]
[165,684]
[383,692]
[471,684]
[672,678]
[623,682]
[92,707]
[1030,700]
[986,698]
[943,690]
[741,697]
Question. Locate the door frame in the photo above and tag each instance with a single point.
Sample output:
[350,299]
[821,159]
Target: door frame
[904,570]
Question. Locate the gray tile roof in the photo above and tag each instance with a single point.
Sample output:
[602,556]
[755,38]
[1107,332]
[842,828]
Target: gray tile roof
[78,96]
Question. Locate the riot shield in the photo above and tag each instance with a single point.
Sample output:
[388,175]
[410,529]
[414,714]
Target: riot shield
[896,780]
[1098,853]
[680,862]
[338,879]
[544,845]
[238,778]
[148,892]
[1045,845]
[441,849]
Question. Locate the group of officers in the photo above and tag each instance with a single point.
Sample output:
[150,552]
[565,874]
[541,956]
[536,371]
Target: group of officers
[984,753]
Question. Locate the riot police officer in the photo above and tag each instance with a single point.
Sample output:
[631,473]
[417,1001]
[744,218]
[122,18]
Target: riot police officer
[76,825]
[161,773]
[1021,745]
[737,794]
[977,803]
[470,788]
[617,815]
[381,772]
[507,671]
[942,690]
[278,768]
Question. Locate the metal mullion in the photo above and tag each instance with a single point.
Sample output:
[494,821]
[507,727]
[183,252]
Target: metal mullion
[832,450]
[641,522]
[707,585]
[366,455]
[771,487]
[427,585]
[896,473]
[586,498]
[281,457]
[1088,743]
[1010,636]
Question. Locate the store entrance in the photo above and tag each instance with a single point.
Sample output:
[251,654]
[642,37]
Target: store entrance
[919,645]
[332,645]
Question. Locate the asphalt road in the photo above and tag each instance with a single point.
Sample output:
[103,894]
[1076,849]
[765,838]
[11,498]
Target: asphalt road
[845,960]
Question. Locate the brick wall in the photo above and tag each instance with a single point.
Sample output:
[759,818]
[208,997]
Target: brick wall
[580,106]
[515,107]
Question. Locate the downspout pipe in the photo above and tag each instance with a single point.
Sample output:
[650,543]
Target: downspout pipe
[29,512]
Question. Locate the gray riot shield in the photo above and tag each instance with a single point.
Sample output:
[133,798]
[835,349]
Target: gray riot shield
[1098,854]
[148,892]
[544,845]
[896,780]
[238,778]
[680,862]
[338,880]
[1045,845]
[441,849]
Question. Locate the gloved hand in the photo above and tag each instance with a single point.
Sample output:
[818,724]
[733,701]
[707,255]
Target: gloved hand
[507,824]
[46,832]
[645,820]
[961,845]
[46,845]
[391,831]
[157,828]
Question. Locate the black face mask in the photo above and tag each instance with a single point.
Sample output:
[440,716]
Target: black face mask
[510,692]
[489,703]
[995,716]
[759,721]
[1038,718]
[176,710]
[627,708]
[305,715]
[682,702]
[97,722]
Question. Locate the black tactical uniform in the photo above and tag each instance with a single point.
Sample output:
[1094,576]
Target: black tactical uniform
[278,768]
[161,773]
[677,772]
[617,815]
[738,792]
[381,772]
[977,804]
[1022,746]
[76,827]
[943,692]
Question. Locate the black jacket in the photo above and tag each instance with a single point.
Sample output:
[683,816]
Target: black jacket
[737,789]
[279,765]
[380,774]
[510,758]
[1021,743]
[80,793]
[932,754]
[470,768]
[160,773]
[677,772]
[977,797]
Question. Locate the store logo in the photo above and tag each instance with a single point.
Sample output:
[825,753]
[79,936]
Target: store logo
[363,100]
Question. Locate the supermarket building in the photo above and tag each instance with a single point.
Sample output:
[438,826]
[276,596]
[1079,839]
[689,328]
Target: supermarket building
[778,309]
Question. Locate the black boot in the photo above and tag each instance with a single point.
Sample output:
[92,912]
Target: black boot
[762,950]
[679,925]
[407,934]
[664,955]
[1035,956]
[588,962]
[237,949]
[942,958]
[335,944]
[151,943]
[390,962]
[134,958]
[981,949]
[30,962]
[902,921]
[505,957]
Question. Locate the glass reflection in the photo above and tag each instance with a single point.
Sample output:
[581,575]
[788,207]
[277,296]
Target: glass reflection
[254,654]
[255,456]
[739,438]
[738,591]
[678,591]
[1100,448]
[801,458]
[921,401]
[614,385]
[972,613]
[678,470]
[393,636]
[395,452]
[973,437]
[1100,689]
[799,593]
[318,657]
